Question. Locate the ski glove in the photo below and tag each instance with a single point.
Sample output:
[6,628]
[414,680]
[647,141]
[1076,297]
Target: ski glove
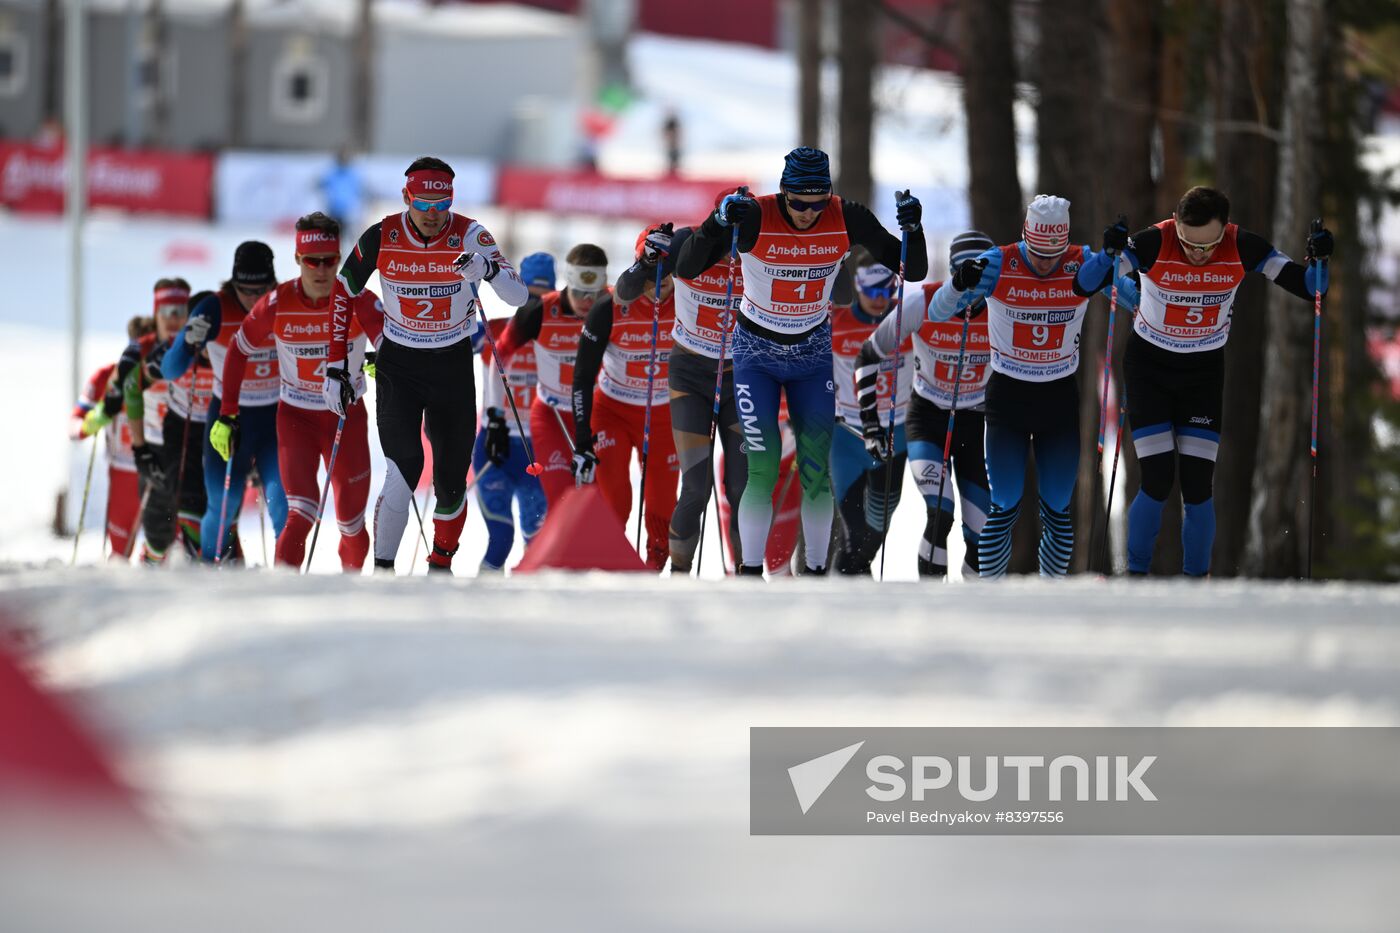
[148,464]
[223,435]
[197,331]
[338,392]
[876,438]
[1115,237]
[868,365]
[733,209]
[497,442]
[370,367]
[1320,242]
[968,273]
[584,466]
[657,245]
[908,211]
[95,421]
[474,267]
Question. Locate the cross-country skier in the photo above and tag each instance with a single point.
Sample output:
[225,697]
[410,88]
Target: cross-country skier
[693,365]
[553,322]
[213,322]
[614,390]
[791,245]
[1191,265]
[429,260]
[860,448]
[941,364]
[91,415]
[1034,316]
[295,319]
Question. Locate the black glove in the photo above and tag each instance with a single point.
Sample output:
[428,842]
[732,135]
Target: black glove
[1320,242]
[968,273]
[876,438]
[497,443]
[973,311]
[734,208]
[585,464]
[1115,238]
[657,246]
[341,377]
[907,211]
[148,464]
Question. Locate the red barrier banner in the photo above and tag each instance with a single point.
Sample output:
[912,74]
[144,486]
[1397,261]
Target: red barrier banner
[681,200]
[32,178]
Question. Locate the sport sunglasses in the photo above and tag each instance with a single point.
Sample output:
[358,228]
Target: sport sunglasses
[432,206]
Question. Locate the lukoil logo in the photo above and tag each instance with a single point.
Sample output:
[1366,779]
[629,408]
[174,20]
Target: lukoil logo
[893,778]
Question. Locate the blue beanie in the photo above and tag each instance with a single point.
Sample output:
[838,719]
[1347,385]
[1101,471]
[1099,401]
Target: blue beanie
[806,171]
[538,269]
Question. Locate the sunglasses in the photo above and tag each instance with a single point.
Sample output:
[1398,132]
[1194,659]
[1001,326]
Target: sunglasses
[319,262]
[877,291]
[801,207]
[443,204]
[252,291]
[586,294]
[172,310]
[1198,248]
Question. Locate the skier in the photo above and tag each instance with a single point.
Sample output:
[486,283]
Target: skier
[946,371]
[90,416]
[295,319]
[860,448]
[1191,265]
[429,260]
[615,389]
[214,320]
[1034,318]
[553,323]
[791,245]
[701,316]
[499,457]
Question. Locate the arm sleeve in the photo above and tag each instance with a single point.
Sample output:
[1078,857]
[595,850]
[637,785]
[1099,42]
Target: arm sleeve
[592,343]
[862,227]
[253,333]
[523,327]
[948,301]
[1259,255]
[135,402]
[369,311]
[1140,254]
[912,315]
[709,243]
[506,283]
[632,283]
[115,398]
[354,276]
[180,355]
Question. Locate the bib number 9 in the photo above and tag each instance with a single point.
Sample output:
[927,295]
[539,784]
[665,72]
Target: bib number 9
[1038,336]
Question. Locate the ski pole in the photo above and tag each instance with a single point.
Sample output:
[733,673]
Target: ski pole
[952,414]
[1316,378]
[321,506]
[262,517]
[1108,350]
[136,525]
[1112,481]
[651,383]
[726,322]
[534,469]
[82,512]
[894,386]
[223,505]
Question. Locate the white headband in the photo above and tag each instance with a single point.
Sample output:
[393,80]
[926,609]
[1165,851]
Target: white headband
[585,278]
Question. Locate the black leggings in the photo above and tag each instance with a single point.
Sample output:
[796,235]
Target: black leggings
[182,491]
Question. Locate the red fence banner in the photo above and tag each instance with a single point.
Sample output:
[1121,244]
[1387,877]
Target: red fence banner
[683,200]
[32,178]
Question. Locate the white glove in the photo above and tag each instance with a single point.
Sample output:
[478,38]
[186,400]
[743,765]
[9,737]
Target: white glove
[197,331]
[338,391]
[473,267]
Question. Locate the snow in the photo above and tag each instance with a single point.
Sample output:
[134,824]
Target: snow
[572,751]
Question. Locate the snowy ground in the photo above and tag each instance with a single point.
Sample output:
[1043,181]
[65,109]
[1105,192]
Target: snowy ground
[571,752]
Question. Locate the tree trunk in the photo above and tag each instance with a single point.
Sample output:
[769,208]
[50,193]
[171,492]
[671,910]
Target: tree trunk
[810,16]
[989,88]
[856,107]
[363,115]
[238,73]
[1278,518]
[1245,156]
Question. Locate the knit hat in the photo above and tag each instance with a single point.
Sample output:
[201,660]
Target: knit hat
[806,171]
[968,245]
[252,264]
[1047,226]
[874,277]
[538,269]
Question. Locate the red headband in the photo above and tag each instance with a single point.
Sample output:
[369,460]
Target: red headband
[316,241]
[171,295]
[429,183]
